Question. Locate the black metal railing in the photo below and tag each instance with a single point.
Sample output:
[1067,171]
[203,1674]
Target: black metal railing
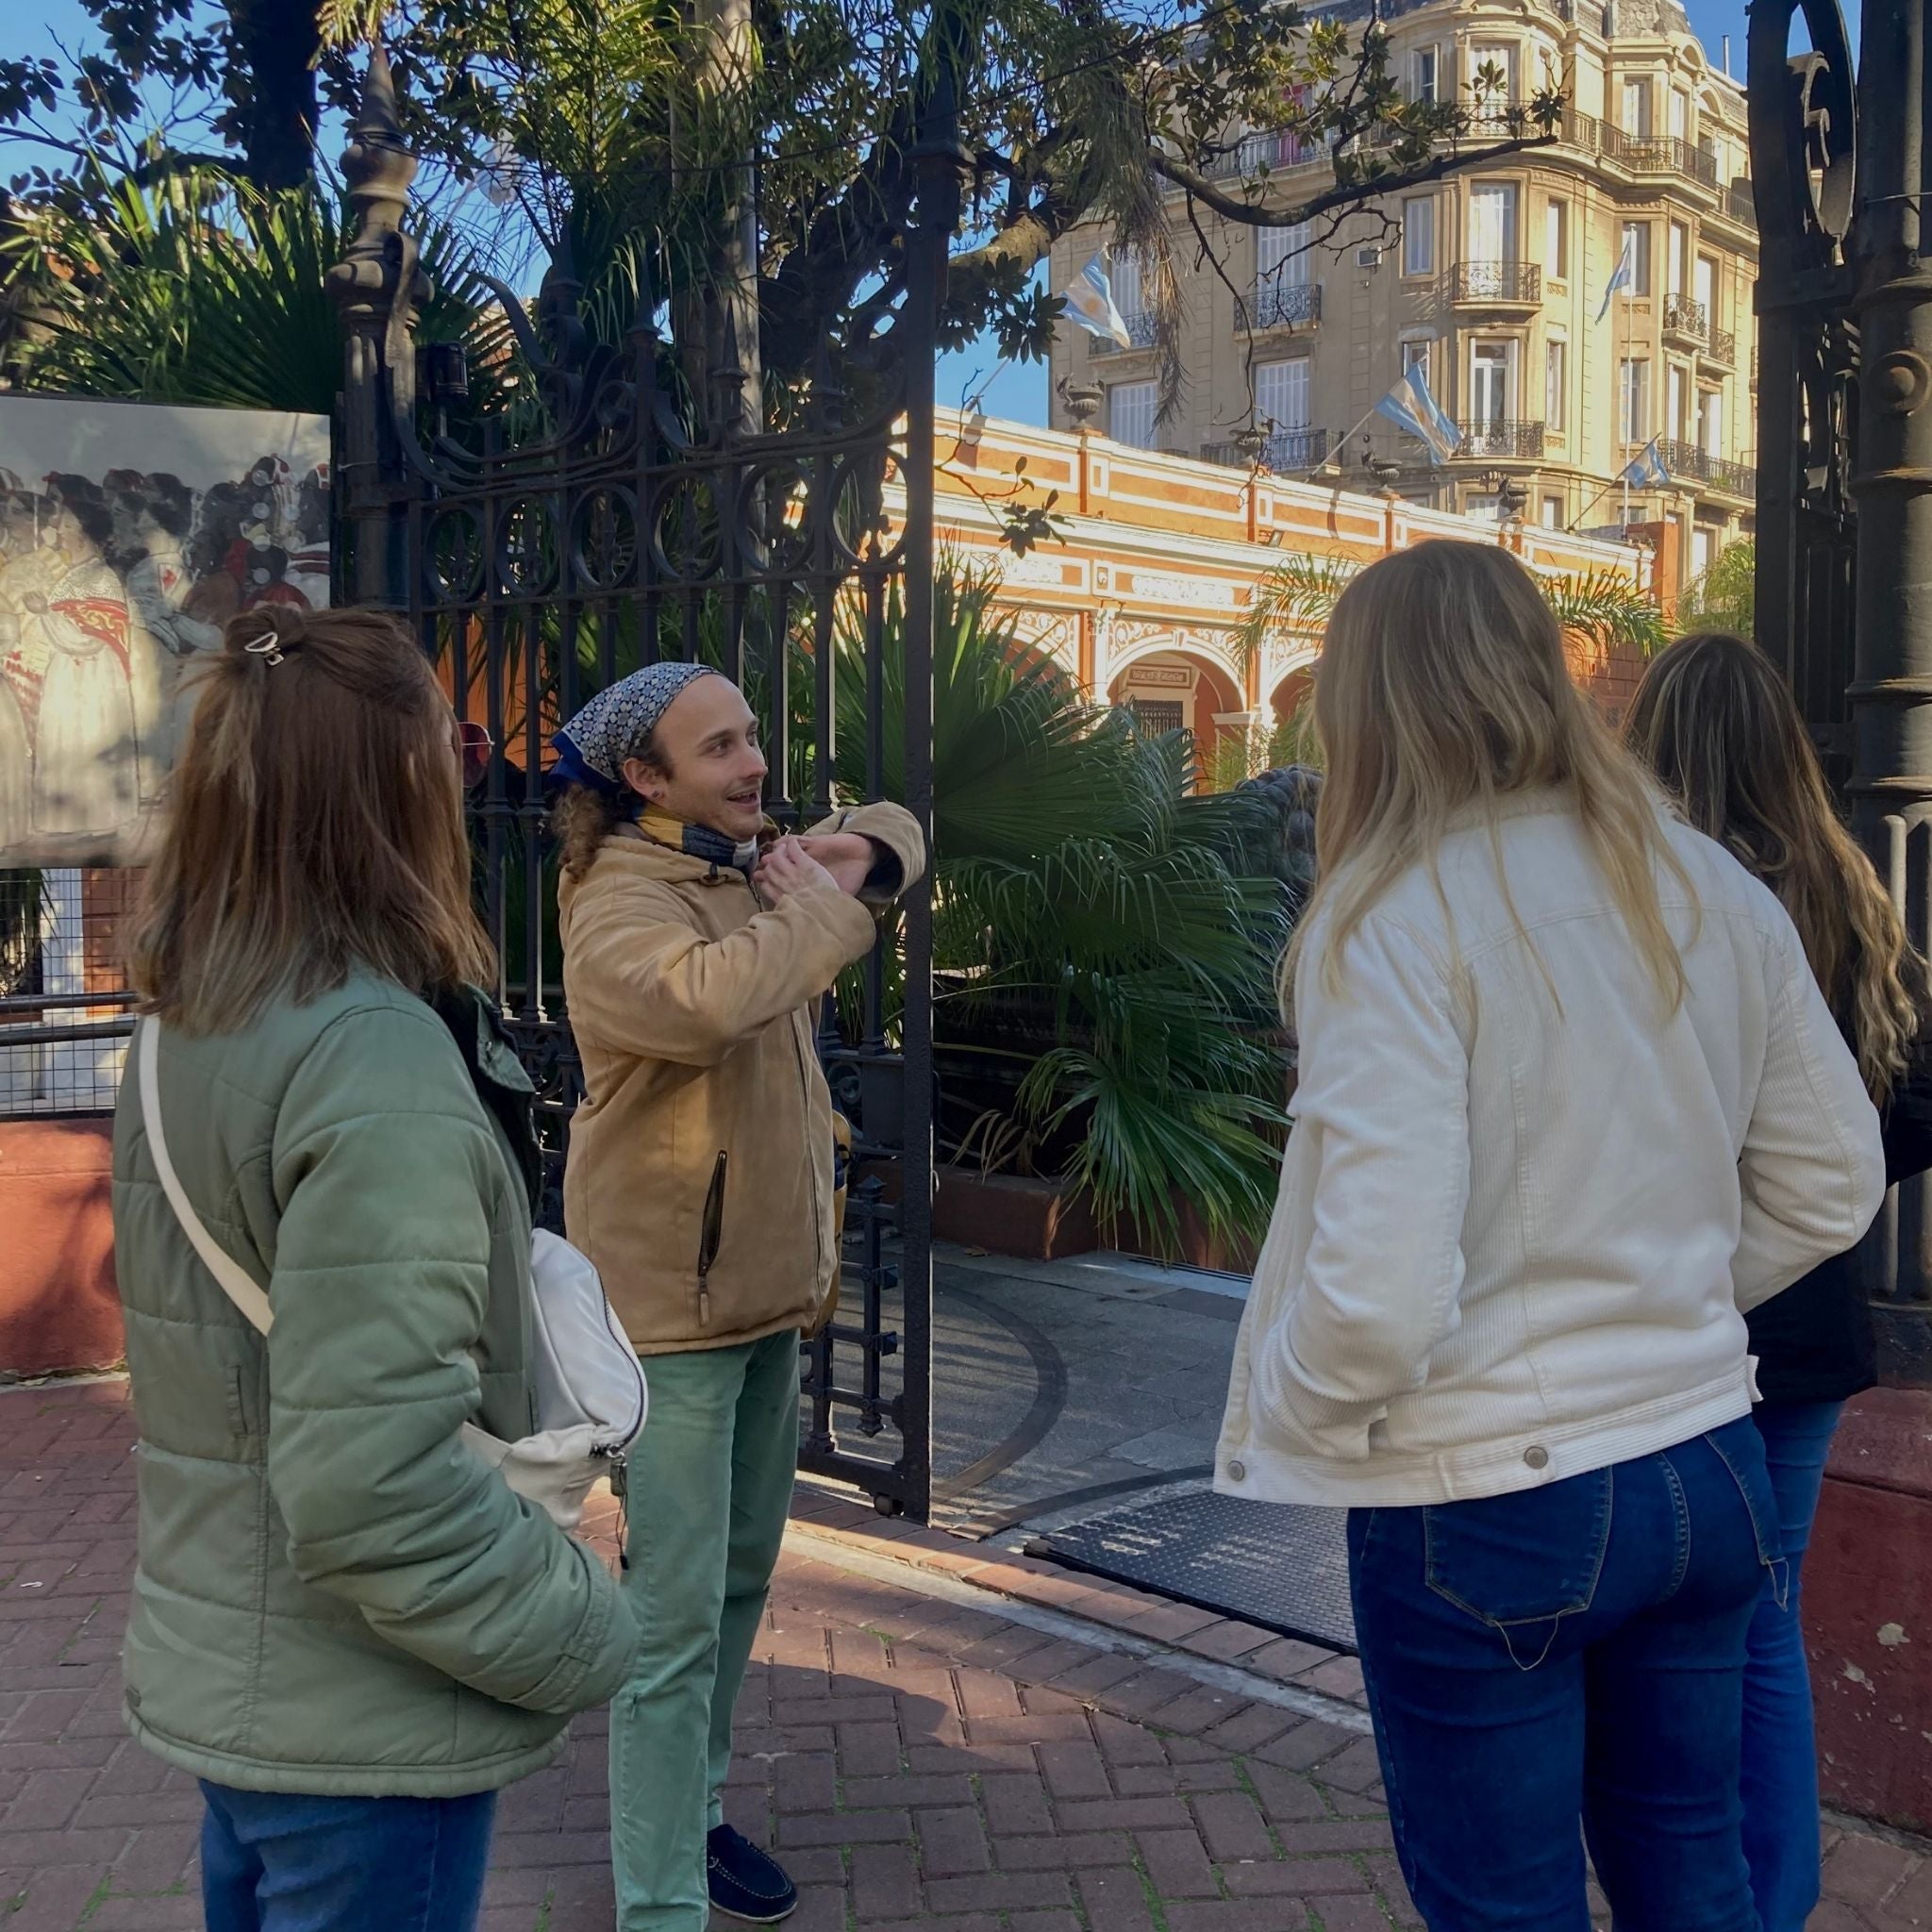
[1740,202]
[1496,281]
[617,518]
[1274,149]
[1723,347]
[1510,120]
[1142,327]
[1721,473]
[1684,315]
[1286,304]
[1283,450]
[1647,154]
[1658,154]
[1500,437]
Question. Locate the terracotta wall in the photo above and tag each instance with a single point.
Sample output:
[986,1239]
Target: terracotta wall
[58,1305]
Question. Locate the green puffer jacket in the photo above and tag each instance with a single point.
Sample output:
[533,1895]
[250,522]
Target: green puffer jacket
[333,1594]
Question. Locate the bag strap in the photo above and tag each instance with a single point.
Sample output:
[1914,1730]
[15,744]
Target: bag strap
[229,1273]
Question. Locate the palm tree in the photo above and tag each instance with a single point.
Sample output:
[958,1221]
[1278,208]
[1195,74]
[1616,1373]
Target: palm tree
[1724,597]
[1299,593]
[202,289]
[1105,997]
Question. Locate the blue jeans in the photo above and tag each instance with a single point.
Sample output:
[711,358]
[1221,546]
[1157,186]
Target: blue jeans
[1564,1654]
[274,1862]
[1780,1786]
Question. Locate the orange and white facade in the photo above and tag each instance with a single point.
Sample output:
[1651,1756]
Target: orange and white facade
[1143,600]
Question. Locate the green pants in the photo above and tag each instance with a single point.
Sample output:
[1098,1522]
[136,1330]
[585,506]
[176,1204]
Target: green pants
[710,1489]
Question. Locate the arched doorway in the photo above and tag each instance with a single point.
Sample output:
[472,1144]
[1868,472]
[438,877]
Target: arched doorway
[1179,690]
[1290,720]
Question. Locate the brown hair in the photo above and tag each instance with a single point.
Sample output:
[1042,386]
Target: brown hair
[582,819]
[1715,723]
[1443,687]
[314,826]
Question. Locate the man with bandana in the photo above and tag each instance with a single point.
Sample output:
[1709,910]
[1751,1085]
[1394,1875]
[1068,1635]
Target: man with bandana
[697,944]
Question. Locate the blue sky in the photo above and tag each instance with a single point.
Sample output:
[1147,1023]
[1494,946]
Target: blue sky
[1019,392]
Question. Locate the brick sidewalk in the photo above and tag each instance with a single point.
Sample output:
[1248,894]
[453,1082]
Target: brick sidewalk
[917,1761]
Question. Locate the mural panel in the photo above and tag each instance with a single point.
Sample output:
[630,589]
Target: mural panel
[128,535]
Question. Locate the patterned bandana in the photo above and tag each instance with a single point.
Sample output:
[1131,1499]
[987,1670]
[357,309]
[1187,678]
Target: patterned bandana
[617,724]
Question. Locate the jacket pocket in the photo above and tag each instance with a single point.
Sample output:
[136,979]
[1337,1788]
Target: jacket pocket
[1521,1563]
[711,1234]
[240,1410]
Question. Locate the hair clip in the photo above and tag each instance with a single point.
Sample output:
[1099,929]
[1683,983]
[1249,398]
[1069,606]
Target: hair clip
[268,646]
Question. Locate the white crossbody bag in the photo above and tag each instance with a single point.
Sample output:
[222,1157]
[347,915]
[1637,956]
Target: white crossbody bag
[592,1397]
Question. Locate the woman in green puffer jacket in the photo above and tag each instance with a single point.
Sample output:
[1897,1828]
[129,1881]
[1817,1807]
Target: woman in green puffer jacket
[345,1626]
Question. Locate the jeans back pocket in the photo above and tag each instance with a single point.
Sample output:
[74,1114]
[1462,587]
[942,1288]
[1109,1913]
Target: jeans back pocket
[1523,1562]
[1740,1449]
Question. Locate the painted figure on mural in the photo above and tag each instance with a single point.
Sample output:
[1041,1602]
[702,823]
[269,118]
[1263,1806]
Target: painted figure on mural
[86,774]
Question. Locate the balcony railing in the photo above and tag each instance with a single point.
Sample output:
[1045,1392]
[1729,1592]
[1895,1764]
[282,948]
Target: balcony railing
[1273,150]
[1644,154]
[1496,281]
[1497,437]
[1141,326]
[1284,450]
[1721,473]
[1723,347]
[1684,315]
[1741,203]
[1658,154]
[1286,304]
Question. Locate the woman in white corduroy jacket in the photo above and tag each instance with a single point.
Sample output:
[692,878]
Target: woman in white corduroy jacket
[1570,1102]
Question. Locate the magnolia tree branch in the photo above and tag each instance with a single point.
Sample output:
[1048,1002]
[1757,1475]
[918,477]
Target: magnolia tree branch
[1347,197]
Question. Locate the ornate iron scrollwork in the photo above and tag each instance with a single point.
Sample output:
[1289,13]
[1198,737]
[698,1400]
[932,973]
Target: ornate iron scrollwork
[614,516]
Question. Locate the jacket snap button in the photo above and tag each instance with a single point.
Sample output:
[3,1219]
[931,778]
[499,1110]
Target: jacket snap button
[1538,1458]
[1238,1472]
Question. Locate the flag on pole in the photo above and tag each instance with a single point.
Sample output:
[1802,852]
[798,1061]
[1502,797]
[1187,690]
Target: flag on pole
[1409,406]
[1645,470]
[1624,275]
[1089,302]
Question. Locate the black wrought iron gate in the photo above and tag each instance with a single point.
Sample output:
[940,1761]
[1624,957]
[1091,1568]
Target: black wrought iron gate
[608,528]
[1844,507]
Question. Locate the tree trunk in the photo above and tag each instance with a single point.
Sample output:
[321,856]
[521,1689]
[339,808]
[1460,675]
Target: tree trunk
[730,302]
[277,41]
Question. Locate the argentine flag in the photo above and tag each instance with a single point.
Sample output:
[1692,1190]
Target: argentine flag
[1409,406]
[1624,275]
[1645,470]
[1089,302]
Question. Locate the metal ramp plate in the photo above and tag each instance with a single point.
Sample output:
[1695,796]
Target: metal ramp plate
[1277,1565]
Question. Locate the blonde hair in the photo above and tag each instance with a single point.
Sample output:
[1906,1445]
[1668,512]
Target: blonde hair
[314,825]
[1442,689]
[1715,721]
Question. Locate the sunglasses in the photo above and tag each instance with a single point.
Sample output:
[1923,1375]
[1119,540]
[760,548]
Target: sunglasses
[474,749]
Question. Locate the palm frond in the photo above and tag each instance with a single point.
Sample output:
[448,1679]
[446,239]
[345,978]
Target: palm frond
[1296,598]
[1604,606]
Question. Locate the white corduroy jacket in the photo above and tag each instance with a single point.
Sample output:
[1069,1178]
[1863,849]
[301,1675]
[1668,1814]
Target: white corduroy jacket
[1515,1232]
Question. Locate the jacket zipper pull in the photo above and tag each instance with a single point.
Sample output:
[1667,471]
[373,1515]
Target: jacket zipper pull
[619,1490]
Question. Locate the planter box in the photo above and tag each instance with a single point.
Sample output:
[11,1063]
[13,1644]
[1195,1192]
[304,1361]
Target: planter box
[1196,1247]
[58,1307]
[1868,1581]
[1037,1221]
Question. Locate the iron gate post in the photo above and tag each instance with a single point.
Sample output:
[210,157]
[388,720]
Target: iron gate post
[376,287]
[1891,481]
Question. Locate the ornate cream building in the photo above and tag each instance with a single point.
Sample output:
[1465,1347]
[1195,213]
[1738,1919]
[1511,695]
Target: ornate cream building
[1142,593]
[1493,280]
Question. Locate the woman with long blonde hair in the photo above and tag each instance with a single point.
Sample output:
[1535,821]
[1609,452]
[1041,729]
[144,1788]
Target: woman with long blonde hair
[1570,1100]
[343,1624]
[1716,723]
